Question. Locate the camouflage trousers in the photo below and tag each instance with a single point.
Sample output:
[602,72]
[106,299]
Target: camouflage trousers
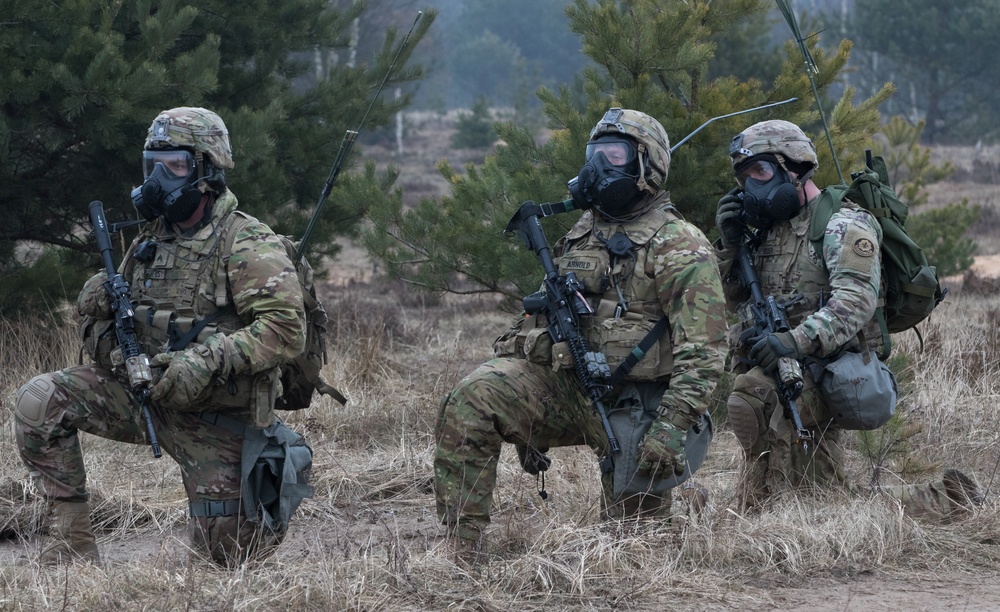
[776,462]
[89,398]
[519,402]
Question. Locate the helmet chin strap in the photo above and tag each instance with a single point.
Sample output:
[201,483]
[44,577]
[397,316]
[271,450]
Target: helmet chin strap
[800,181]
[641,181]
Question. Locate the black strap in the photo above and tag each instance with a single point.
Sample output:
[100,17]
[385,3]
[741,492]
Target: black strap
[220,507]
[639,351]
[181,343]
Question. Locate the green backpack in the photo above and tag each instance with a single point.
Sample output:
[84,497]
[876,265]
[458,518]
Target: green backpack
[911,285]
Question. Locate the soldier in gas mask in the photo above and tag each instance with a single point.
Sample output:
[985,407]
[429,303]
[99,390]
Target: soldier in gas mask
[639,262]
[218,308]
[830,297]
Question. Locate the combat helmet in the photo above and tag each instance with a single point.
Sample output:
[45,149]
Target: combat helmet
[186,155]
[198,129]
[652,140]
[777,137]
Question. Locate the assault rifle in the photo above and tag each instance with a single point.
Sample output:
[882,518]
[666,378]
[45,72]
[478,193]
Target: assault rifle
[561,301]
[562,304]
[140,375]
[769,317]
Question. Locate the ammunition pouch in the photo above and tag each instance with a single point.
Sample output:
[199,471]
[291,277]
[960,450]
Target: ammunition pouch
[527,339]
[617,338]
[256,393]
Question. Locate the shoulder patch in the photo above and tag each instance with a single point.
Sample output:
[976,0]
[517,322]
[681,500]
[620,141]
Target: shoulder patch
[864,247]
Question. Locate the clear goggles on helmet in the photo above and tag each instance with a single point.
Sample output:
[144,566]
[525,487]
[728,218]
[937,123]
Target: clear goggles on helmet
[618,151]
[760,168]
[177,162]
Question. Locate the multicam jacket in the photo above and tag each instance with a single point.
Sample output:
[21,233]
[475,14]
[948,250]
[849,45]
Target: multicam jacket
[667,268]
[834,293]
[252,293]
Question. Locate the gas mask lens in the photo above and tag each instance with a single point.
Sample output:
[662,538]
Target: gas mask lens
[177,164]
[617,152]
[760,171]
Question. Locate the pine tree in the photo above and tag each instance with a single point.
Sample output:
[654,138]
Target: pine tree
[80,83]
[651,55]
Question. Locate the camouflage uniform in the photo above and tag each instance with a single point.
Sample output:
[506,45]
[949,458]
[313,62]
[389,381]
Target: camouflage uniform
[832,296]
[254,295]
[529,395]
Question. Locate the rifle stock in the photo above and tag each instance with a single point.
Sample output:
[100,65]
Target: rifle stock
[562,303]
[770,317]
[140,375]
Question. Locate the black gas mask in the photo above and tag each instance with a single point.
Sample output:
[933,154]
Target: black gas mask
[171,186]
[608,180]
[769,193]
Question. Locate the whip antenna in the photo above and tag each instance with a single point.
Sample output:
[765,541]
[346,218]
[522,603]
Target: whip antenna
[345,148]
[740,112]
[811,69]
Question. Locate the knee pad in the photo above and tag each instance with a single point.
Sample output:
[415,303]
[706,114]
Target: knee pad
[747,418]
[33,400]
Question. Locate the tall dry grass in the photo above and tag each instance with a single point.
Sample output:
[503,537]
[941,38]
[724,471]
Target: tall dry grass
[369,539]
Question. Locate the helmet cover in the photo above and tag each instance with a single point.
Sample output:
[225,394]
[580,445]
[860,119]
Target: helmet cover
[775,136]
[648,134]
[193,128]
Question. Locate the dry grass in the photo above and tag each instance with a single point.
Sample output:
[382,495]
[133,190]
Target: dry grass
[369,539]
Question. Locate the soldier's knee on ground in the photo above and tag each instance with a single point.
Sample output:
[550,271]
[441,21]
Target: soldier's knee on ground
[962,491]
[32,404]
[638,506]
[232,540]
[631,506]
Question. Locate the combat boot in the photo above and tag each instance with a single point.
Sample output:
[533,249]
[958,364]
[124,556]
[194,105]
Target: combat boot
[72,536]
[962,491]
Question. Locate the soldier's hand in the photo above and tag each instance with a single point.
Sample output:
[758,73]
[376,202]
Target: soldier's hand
[729,219]
[186,379]
[533,460]
[772,347]
[661,451]
[94,300]
[750,336]
[189,374]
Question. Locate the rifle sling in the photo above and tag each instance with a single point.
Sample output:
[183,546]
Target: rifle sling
[626,366]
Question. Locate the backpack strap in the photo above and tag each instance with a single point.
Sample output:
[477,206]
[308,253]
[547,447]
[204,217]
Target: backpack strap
[237,221]
[827,203]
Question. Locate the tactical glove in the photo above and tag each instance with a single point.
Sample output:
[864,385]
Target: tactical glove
[772,347]
[533,460]
[661,450]
[750,336]
[729,219]
[189,373]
